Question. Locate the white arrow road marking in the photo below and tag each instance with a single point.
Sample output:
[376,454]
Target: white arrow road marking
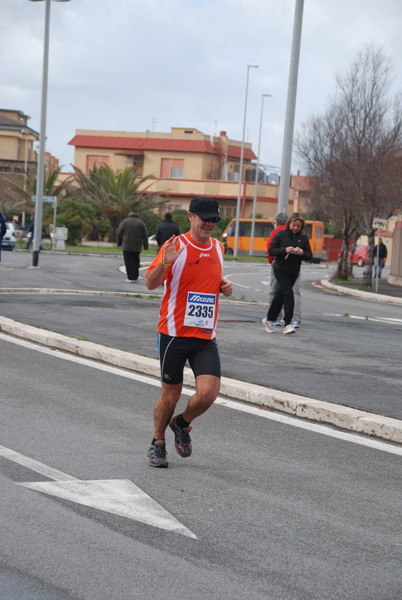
[120,497]
[117,496]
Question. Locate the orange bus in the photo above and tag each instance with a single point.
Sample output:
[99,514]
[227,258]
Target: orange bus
[262,231]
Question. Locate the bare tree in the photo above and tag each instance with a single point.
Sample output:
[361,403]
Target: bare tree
[354,151]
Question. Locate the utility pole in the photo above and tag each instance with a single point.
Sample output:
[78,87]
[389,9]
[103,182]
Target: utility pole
[284,185]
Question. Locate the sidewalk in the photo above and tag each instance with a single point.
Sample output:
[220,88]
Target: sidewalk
[386,291]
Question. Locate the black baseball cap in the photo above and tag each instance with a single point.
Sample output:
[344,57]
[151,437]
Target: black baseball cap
[205,207]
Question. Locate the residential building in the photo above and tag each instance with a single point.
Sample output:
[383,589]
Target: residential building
[181,164]
[302,187]
[16,149]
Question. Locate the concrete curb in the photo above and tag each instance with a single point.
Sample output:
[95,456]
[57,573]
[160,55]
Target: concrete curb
[360,293]
[307,408]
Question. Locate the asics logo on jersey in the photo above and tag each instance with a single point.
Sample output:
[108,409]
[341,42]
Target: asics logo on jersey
[203,254]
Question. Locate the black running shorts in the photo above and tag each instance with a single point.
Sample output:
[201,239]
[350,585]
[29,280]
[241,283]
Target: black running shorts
[202,355]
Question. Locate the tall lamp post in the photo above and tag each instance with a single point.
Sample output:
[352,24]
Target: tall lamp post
[256,176]
[42,139]
[284,184]
[241,166]
[26,133]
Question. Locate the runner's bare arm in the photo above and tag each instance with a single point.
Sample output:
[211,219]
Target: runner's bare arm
[155,277]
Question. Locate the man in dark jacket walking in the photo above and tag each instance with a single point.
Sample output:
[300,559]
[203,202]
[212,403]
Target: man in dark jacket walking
[382,256]
[165,230]
[3,229]
[132,234]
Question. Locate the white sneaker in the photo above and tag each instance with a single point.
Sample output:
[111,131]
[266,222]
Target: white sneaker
[289,329]
[131,280]
[269,327]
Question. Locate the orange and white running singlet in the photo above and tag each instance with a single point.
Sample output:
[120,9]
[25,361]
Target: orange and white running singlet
[192,284]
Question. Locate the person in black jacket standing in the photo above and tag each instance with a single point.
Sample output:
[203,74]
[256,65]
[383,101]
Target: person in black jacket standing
[3,229]
[165,230]
[289,247]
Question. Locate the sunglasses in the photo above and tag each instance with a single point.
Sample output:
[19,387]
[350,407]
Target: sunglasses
[211,220]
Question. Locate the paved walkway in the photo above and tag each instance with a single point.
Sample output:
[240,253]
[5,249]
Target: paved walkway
[386,292]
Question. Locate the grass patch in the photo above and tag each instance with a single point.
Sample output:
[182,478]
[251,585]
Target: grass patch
[255,259]
[94,249]
[365,288]
[350,281]
[152,252]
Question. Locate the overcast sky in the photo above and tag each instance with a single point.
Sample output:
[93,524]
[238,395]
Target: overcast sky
[131,65]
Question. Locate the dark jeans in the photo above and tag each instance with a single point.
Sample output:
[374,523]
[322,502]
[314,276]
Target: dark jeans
[132,262]
[380,266]
[284,296]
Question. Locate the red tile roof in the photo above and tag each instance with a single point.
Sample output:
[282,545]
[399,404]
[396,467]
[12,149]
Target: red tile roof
[235,152]
[131,143]
[302,183]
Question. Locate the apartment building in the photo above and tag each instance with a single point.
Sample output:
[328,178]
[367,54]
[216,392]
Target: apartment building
[16,149]
[181,164]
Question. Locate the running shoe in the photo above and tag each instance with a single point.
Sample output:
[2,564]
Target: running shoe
[277,324]
[289,329]
[182,438]
[296,324]
[269,326]
[157,454]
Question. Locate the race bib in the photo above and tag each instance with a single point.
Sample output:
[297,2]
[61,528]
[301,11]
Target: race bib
[200,310]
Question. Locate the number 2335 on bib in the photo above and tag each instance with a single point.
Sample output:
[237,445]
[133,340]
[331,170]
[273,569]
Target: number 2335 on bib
[200,310]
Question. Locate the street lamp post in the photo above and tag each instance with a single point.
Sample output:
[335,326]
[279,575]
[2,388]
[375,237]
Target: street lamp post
[256,176]
[284,184]
[42,139]
[241,166]
[26,133]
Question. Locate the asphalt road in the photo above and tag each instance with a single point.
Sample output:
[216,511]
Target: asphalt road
[347,351]
[275,511]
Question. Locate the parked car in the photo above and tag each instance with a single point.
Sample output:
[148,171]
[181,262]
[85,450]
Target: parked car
[359,255]
[152,241]
[15,229]
[8,241]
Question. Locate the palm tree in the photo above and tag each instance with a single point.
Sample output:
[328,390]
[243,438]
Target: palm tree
[22,192]
[114,194]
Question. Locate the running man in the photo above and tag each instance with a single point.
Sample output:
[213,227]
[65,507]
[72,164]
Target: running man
[191,267]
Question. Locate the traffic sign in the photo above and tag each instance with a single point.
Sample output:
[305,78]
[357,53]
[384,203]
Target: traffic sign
[379,223]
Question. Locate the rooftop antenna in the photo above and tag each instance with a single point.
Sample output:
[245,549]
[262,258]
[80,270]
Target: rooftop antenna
[154,120]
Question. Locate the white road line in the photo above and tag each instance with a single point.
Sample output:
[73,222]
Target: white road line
[255,410]
[34,465]
[294,422]
[246,287]
[388,320]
